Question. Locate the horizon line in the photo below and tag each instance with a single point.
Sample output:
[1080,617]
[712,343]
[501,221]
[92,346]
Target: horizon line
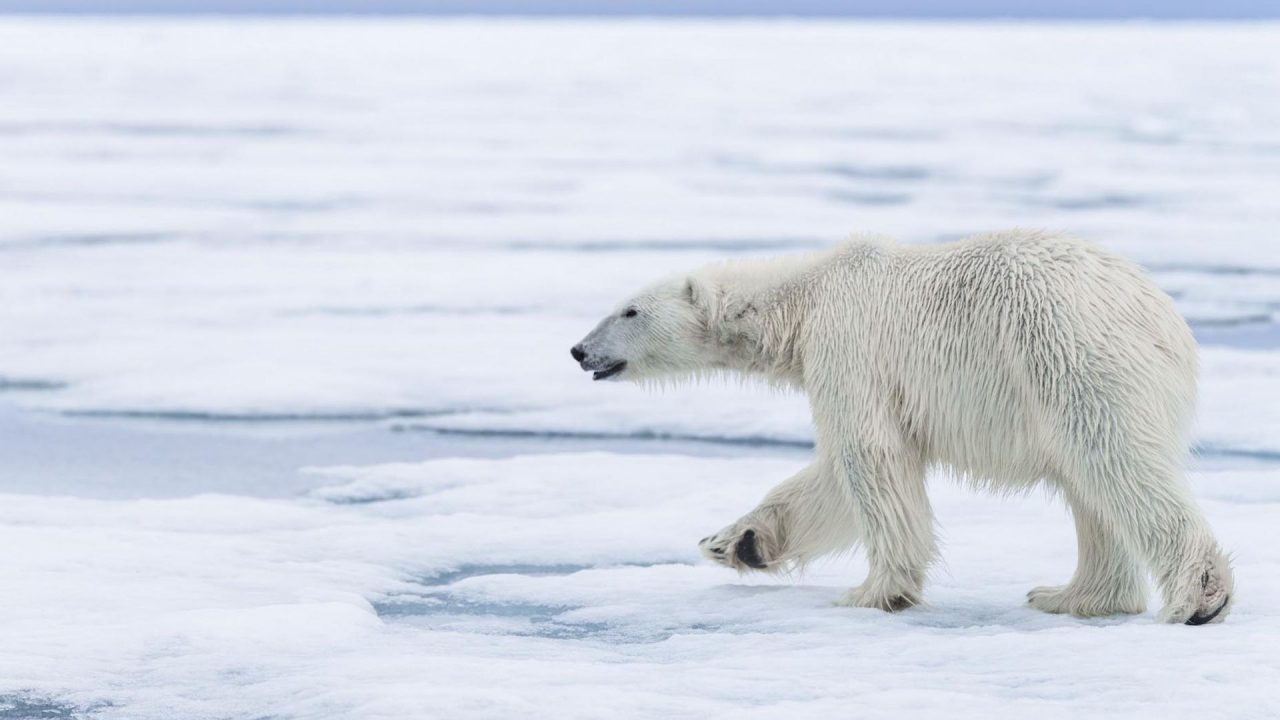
[637,15]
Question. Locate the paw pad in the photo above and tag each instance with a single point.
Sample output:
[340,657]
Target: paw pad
[747,553]
[738,546]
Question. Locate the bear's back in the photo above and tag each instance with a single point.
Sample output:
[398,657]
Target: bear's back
[993,342]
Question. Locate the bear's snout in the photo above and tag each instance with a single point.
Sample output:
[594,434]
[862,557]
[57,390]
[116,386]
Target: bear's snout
[601,366]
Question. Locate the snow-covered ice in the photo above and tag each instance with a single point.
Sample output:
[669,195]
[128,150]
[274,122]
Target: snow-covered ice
[568,586]
[232,249]
[417,218]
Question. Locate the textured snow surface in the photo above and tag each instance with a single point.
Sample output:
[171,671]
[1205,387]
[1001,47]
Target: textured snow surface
[567,586]
[249,237]
[417,219]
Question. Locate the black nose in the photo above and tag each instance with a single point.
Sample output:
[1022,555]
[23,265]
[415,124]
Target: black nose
[576,352]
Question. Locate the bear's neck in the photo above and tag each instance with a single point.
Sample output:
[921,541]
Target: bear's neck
[761,318]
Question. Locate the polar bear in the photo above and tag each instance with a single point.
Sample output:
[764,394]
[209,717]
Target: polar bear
[1013,359]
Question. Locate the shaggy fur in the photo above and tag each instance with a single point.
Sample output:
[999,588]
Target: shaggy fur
[1013,359]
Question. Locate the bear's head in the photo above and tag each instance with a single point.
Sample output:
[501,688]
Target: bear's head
[660,332]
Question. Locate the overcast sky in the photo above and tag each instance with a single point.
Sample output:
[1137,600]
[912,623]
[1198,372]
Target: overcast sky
[1224,9]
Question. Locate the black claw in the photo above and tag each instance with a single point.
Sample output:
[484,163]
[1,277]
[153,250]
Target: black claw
[901,602]
[747,553]
[1202,619]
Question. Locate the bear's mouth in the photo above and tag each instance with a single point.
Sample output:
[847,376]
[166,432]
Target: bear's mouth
[610,371]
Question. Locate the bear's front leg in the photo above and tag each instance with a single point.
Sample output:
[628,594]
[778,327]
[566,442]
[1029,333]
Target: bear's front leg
[804,517]
[887,485]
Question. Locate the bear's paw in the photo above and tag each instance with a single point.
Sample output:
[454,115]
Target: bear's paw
[741,547]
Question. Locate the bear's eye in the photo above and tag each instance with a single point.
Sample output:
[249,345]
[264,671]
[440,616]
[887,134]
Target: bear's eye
[631,312]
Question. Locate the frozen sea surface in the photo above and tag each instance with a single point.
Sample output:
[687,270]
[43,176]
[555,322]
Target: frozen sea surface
[289,427]
[568,585]
[414,220]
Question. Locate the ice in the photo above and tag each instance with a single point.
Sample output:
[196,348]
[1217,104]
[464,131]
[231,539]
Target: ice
[374,219]
[568,585]
[444,339]
[233,249]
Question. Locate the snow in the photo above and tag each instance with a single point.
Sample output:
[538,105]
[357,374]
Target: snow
[430,241]
[233,249]
[568,585]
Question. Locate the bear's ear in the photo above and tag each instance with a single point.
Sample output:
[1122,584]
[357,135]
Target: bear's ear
[697,292]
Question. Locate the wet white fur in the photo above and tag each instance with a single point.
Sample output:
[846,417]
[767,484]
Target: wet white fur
[1013,359]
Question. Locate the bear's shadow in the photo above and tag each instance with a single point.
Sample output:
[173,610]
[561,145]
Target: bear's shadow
[942,615]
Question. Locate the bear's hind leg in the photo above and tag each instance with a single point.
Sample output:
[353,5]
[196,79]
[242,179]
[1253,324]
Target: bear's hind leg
[1107,581]
[1193,573]
[1155,509]
[803,517]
